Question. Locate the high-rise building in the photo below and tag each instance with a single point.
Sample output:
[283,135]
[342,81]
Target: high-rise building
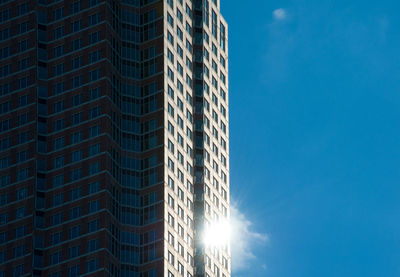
[114,144]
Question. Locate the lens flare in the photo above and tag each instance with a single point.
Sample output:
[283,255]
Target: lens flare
[217,234]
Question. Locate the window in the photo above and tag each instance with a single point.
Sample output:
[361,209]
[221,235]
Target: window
[23,27]
[181,213]
[23,119]
[76,156]
[180,140]
[179,50]
[58,181]
[23,45]
[58,32]
[179,33]
[94,75]
[171,220]
[170,110]
[75,7]
[5,143]
[58,13]
[74,251]
[170,38]
[222,36]
[20,212]
[94,93]
[223,127]
[189,133]
[59,143]
[180,269]
[76,81]
[22,174]
[170,19]
[5,14]
[189,63]
[76,100]
[179,15]
[171,128]
[92,245]
[59,88]
[94,37]
[75,212]
[180,158]
[180,176]
[58,51]
[19,232]
[24,63]
[170,56]
[171,201]
[170,74]
[188,11]
[94,187]
[76,137]
[223,78]
[170,92]
[171,239]
[3,237]
[76,26]
[171,165]
[170,146]
[3,218]
[94,19]
[74,271]
[93,206]
[19,270]
[180,104]
[76,118]
[181,231]
[74,232]
[188,46]
[4,162]
[171,258]
[179,68]
[55,258]
[57,199]
[94,56]
[77,62]
[94,131]
[23,100]
[75,194]
[188,28]
[76,174]
[180,122]
[180,86]
[4,198]
[94,112]
[58,106]
[94,168]
[94,149]
[92,265]
[93,226]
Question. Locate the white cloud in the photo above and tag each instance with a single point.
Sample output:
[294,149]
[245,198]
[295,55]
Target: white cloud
[279,14]
[243,240]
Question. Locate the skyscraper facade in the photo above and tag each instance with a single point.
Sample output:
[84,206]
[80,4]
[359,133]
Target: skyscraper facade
[114,140]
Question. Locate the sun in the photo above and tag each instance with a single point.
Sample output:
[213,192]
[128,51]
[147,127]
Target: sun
[217,234]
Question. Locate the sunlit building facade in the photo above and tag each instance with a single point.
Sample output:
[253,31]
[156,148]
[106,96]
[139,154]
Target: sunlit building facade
[114,139]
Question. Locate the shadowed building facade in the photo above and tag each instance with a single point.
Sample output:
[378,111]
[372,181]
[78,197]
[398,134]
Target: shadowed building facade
[114,143]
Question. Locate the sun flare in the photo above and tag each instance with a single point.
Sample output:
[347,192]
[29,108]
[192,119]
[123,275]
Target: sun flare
[217,234]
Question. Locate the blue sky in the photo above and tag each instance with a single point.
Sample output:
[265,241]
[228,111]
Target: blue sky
[315,137]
